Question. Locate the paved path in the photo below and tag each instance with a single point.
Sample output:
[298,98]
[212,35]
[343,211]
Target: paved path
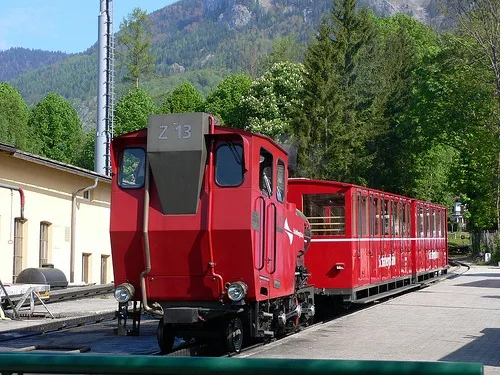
[457,320]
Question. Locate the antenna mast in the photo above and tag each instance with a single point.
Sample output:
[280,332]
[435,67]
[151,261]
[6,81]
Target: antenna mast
[105,90]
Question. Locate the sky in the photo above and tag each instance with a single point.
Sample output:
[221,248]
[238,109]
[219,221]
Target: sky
[61,25]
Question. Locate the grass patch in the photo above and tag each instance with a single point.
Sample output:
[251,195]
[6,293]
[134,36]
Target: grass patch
[458,239]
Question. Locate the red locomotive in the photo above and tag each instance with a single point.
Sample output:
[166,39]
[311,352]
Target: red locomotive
[367,244]
[209,235]
[202,234]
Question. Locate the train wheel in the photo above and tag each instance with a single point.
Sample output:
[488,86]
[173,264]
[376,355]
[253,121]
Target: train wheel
[165,336]
[234,335]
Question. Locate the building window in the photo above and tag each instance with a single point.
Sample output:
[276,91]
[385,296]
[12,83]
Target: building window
[44,244]
[86,267]
[104,269]
[18,247]
[88,196]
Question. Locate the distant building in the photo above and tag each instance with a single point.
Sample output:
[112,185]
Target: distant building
[49,230]
[457,218]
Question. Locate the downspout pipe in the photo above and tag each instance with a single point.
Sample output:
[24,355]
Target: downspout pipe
[21,193]
[157,311]
[73,227]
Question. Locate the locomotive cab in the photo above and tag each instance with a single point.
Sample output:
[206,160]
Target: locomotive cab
[202,234]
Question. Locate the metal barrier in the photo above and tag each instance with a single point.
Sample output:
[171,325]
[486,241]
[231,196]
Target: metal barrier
[134,364]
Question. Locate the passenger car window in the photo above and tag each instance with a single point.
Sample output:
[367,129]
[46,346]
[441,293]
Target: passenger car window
[326,213]
[229,165]
[132,168]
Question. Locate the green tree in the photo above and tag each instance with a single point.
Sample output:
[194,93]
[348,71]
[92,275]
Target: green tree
[334,125]
[184,98]
[273,100]
[471,120]
[225,100]
[135,42]
[57,129]
[407,65]
[14,114]
[132,111]
[480,22]
[86,156]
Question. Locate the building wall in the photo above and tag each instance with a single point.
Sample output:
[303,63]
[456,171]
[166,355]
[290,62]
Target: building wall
[48,199]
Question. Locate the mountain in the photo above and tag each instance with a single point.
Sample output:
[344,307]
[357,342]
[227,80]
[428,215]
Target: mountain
[17,61]
[196,40]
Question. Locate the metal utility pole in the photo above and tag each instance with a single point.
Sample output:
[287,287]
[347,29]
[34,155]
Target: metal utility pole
[105,90]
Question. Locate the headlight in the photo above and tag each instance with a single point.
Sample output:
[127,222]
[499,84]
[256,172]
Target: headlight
[124,292]
[237,291]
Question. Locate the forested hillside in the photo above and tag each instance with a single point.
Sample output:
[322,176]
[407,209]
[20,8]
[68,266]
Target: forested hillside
[17,61]
[199,41]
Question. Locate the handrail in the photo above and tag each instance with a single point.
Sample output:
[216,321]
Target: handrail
[275,240]
[141,364]
[263,234]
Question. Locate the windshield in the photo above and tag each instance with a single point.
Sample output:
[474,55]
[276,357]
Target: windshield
[229,164]
[132,168]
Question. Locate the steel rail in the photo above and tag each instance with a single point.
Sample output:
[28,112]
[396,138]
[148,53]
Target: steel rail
[71,293]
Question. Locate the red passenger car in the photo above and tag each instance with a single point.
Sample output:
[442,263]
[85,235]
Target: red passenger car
[202,233]
[367,244]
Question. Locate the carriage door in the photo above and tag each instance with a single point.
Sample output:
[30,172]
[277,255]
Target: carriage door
[375,242]
[268,213]
[362,255]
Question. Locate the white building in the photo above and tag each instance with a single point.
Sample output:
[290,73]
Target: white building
[64,221]
[457,217]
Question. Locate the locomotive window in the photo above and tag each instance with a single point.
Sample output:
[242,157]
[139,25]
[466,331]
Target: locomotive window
[326,213]
[280,181]
[266,172]
[132,168]
[229,165]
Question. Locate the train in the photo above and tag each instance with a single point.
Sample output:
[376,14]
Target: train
[211,236]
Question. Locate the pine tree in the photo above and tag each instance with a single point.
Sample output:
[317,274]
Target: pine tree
[136,41]
[333,126]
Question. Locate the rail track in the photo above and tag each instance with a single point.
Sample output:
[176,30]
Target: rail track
[73,293]
[202,350]
[66,294]
[184,349]
[56,323]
